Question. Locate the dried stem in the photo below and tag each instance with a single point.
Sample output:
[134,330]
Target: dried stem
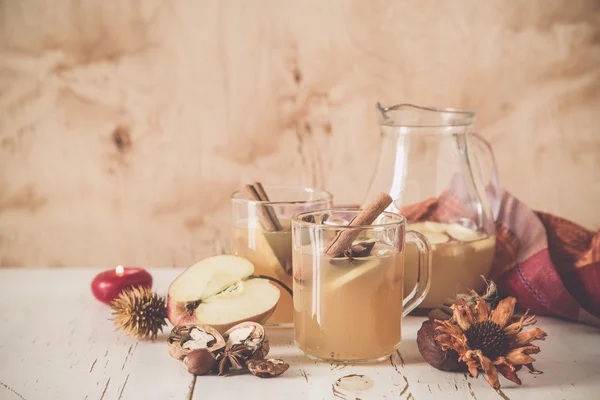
[277,281]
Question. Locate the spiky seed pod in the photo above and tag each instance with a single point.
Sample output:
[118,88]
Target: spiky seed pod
[139,312]
[488,337]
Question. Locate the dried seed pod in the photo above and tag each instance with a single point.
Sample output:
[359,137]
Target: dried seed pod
[430,349]
[234,358]
[199,362]
[189,337]
[250,335]
[360,248]
[267,368]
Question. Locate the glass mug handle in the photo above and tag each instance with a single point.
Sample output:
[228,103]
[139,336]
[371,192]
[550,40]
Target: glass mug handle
[417,295]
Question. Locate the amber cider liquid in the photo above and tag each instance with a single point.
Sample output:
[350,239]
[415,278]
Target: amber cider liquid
[458,263]
[269,252]
[348,310]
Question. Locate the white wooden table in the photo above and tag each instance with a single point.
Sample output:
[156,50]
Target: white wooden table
[56,342]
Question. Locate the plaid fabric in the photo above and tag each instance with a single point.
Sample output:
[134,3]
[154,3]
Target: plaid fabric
[549,264]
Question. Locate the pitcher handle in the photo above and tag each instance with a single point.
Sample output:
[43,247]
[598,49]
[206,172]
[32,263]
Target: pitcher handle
[417,295]
[492,189]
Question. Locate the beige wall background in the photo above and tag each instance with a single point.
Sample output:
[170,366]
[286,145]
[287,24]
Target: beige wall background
[124,125]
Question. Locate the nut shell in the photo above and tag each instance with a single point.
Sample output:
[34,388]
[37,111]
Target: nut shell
[430,349]
[199,362]
[267,368]
[257,340]
[181,333]
[262,351]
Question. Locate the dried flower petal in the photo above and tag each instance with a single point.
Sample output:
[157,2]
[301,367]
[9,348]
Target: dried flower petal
[504,312]
[502,361]
[531,349]
[519,358]
[473,366]
[491,373]
[454,338]
[448,327]
[527,337]
[483,309]
[460,315]
[529,321]
[508,373]
[468,312]
[517,327]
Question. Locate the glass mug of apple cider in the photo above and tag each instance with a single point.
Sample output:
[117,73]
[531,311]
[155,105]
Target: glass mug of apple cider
[348,289]
[262,234]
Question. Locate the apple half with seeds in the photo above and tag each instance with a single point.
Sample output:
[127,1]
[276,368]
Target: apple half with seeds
[221,292]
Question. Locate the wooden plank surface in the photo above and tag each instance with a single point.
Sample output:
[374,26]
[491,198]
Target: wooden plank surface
[56,343]
[125,125]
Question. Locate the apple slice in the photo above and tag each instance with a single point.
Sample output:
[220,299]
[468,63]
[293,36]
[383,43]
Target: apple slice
[210,276]
[368,265]
[415,226]
[436,237]
[462,233]
[250,300]
[280,244]
[275,248]
[433,231]
[438,227]
[359,267]
[220,291]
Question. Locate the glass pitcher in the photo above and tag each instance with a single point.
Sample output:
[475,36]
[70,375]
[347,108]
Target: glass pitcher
[444,181]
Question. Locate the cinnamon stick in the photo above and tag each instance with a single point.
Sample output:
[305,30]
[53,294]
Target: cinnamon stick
[263,197]
[266,215]
[344,238]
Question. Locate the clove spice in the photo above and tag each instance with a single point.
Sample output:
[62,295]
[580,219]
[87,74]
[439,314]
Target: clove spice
[360,249]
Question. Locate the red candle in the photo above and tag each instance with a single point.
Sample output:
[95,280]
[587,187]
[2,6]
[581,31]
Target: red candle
[107,285]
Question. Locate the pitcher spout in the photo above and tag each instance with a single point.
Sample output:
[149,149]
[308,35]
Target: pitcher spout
[413,116]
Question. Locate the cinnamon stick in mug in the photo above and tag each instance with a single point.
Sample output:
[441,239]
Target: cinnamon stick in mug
[344,239]
[266,215]
[263,197]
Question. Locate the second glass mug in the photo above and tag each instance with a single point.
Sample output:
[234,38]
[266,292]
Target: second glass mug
[271,250]
[348,307]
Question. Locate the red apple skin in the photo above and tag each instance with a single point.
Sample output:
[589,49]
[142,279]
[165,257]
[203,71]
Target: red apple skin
[177,313]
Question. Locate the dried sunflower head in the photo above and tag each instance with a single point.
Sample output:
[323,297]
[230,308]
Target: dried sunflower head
[484,339]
